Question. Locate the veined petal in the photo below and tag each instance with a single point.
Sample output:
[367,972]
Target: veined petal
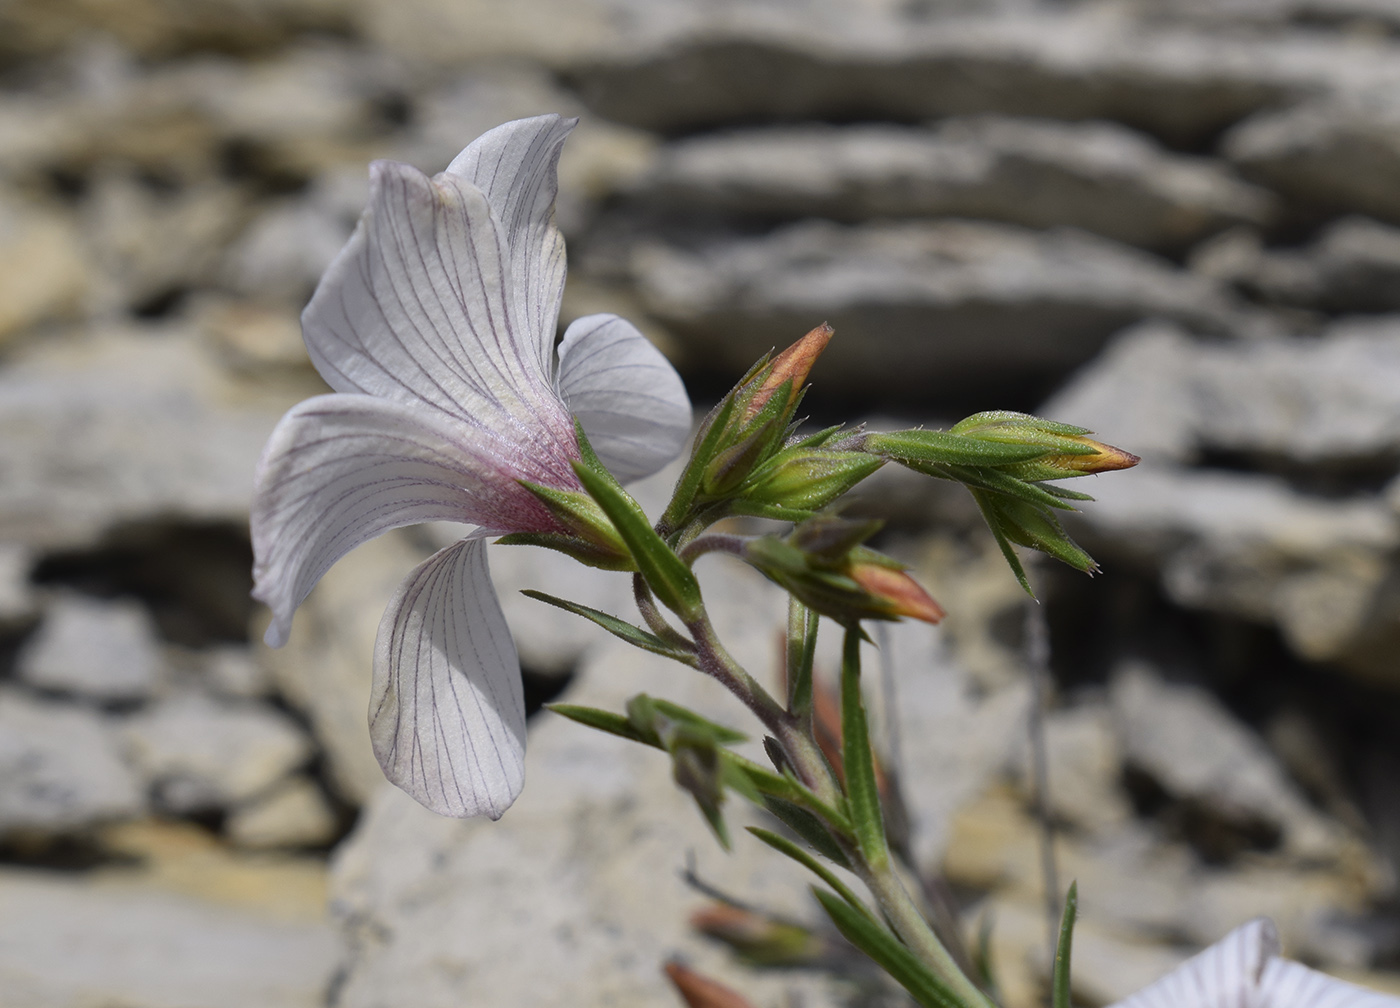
[447,710]
[1225,975]
[1288,984]
[629,399]
[516,166]
[419,308]
[341,469]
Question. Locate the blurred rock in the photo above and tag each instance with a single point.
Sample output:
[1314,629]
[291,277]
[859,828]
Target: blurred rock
[1085,762]
[1337,154]
[119,427]
[60,769]
[233,671]
[183,924]
[197,754]
[42,272]
[762,64]
[18,603]
[960,306]
[292,814]
[100,650]
[1354,266]
[324,669]
[1190,745]
[253,339]
[1038,173]
[1328,404]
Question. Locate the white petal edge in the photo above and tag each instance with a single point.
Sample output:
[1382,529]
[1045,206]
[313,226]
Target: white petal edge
[421,307]
[447,710]
[516,166]
[1225,975]
[1288,984]
[629,399]
[342,469]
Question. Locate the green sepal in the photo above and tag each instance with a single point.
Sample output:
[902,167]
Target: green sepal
[818,439]
[748,443]
[1010,420]
[752,509]
[949,448]
[1000,482]
[586,553]
[707,441]
[665,573]
[784,846]
[806,479]
[633,635]
[808,827]
[858,761]
[1064,494]
[876,941]
[1059,986]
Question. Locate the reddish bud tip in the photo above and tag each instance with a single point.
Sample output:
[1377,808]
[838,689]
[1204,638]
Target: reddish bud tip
[794,363]
[701,992]
[1107,459]
[902,594]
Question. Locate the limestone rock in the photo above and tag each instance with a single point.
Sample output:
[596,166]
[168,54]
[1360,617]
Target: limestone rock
[324,669]
[1338,154]
[198,754]
[123,426]
[42,272]
[1039,173]
[960,305]
[60,769]
[97,649]
[1331,402]
[1186,740]
[17,598]
[292,814]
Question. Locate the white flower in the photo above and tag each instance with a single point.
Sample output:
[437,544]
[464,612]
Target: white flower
[435,326]
[1245,970]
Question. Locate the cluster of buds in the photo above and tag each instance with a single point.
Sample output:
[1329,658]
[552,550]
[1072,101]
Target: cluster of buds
[746,459]
[1005,459]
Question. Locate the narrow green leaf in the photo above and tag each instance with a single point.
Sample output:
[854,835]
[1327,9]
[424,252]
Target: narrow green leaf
[665,573]
[613,724]
[807,826]
[633,635]
[1061,492]
[1010,418]
[783,845]
[821,437]
[881,945]
[720,733]
[991,479]
[801,653]
[1060,985]
[859,762]
[755,782]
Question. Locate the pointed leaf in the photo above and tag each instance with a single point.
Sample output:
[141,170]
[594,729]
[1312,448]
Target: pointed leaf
[1059,987]
[786,847]
[808,827]
[606,721]
[884,948]
[633,635]
[665,573]
[858,760]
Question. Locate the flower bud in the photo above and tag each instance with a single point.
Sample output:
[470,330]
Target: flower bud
[757,937]
[700,991]
[858,584]
[794,364]
[805,479]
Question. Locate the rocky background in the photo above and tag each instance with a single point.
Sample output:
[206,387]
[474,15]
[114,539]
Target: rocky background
[1174,221]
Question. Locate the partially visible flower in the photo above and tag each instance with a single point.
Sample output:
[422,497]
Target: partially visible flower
[435,326]
[1245,970]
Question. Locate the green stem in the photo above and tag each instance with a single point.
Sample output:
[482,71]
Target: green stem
[904,916]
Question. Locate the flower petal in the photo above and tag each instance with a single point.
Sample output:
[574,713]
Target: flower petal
[340,469]
[1288,984]
[1226,975]
[627,396]
[516,166]
[447,710]
[419,307]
